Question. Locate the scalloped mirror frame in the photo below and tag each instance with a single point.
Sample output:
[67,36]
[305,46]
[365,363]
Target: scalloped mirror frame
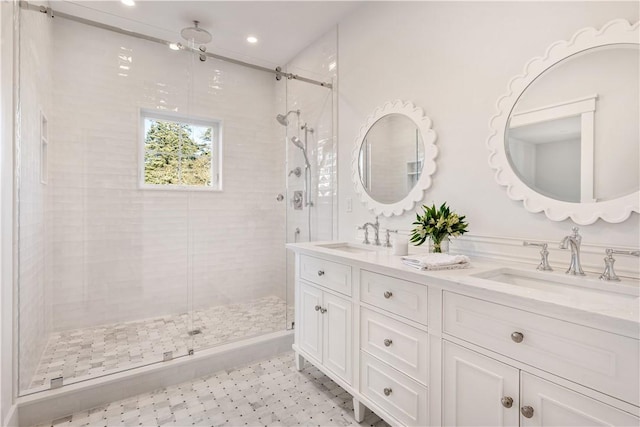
[614,211]
[417,115]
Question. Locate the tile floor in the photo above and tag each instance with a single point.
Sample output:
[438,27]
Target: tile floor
[86,353]
[265,393]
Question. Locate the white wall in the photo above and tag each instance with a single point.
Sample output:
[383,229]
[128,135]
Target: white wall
[454,59]
[6,212]
[122,253]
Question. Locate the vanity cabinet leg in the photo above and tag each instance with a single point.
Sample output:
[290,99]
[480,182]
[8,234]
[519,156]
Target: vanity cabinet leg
[358,410]
[299,362]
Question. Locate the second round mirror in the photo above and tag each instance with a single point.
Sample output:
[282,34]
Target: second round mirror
[391,158]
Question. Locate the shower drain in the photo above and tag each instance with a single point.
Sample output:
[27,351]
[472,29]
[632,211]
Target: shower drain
[195,332]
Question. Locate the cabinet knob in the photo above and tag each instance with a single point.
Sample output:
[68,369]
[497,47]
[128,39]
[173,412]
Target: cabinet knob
[323,310]
[320,272]
[317,307]
[507,402]
[388,294]
[387,342]
[526,411]
[517,337]
[387,391]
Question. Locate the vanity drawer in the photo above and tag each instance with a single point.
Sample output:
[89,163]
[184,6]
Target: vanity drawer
[325,273]
[400,345]
[399,395]
[406,299]
[604,361]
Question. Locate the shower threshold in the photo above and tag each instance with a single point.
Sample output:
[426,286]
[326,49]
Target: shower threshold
[81,354]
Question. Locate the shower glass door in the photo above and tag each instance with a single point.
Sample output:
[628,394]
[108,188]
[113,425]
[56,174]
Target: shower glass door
[237,233]
[314,218]
[102,241]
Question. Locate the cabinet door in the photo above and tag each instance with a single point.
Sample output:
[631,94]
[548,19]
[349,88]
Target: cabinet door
[553,405]
[310,320]
[477,390]
[337,345]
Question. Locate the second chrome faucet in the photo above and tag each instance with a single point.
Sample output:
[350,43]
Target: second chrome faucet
[573,241]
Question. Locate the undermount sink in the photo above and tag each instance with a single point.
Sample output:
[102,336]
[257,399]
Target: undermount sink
[571,286]
[353,248]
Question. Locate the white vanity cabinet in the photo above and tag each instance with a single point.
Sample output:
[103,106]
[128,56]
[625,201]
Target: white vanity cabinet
[433,348]
[324,319]
[480,391]
[326,332]
[394,346]
[477,390]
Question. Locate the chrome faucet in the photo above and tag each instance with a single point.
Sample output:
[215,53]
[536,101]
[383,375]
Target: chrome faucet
[573,240]
[609,273]
[376,229]
[544,255]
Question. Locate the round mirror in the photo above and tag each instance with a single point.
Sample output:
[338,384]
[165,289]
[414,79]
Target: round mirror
[391,158]
[565,140]
[573,133]
[394,158]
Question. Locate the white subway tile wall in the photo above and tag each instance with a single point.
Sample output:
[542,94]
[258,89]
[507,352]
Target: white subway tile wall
[122,253]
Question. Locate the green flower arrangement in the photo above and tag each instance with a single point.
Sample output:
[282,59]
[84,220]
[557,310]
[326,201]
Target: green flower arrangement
[437,224]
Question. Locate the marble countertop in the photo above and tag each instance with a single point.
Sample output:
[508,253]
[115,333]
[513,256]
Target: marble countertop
[611,306]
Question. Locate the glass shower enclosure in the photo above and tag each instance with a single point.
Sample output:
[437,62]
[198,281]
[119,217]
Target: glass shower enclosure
[154,199]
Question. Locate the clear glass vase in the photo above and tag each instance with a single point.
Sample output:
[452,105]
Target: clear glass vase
[439,247]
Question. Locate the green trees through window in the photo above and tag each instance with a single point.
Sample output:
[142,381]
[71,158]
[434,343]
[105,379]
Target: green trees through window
[178,153]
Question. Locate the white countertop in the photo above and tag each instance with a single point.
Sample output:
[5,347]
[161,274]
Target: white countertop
[619,313]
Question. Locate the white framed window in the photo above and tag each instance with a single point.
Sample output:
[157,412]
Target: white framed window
[178,152]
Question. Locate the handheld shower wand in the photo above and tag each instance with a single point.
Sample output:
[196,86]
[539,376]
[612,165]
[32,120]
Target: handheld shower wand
[296,141]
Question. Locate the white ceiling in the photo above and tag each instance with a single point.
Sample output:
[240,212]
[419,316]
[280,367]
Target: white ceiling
[283,28]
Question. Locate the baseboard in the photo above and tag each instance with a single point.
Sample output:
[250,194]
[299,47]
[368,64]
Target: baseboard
[11,420]
[54,404]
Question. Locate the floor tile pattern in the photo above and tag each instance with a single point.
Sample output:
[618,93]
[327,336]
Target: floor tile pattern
[265,393]
[85,353]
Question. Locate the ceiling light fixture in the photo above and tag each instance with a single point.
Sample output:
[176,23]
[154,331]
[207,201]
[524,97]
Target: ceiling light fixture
[128,2]
[175,46]
[252,39]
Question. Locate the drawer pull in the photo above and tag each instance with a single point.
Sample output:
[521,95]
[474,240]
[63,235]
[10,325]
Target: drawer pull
[320,272]
[317,307]
[323,310]
[387,391]
[526,411]
[507,402]
[387,342]
[388,294]
[517,337]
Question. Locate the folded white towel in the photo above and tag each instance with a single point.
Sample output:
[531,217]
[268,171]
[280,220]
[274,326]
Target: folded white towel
[436,261]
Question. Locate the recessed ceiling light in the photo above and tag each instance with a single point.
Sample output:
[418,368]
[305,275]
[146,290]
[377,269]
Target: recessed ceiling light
[175,46]
[252,39]
[128,2]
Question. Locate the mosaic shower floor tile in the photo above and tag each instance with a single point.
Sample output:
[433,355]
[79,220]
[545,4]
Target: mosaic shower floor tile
[267,393]
[91,352]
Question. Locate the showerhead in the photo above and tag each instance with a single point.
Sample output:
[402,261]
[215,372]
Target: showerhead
[195,33]
[296,141]
[283,119]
